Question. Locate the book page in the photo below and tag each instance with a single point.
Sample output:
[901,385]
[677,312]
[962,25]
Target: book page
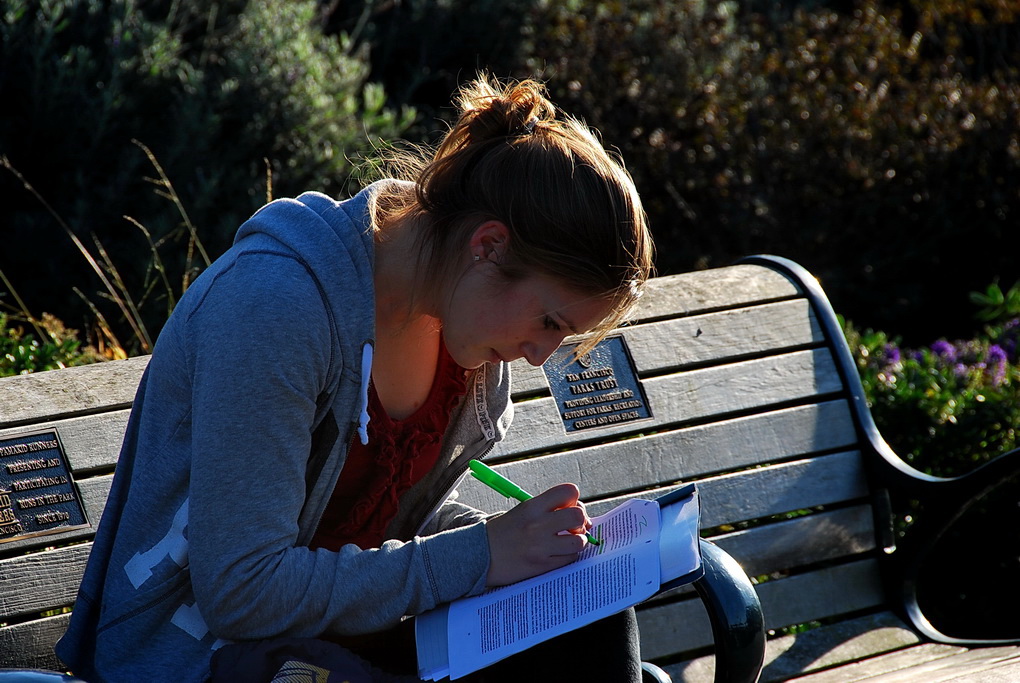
[678,539]
[605,579]
[431,643]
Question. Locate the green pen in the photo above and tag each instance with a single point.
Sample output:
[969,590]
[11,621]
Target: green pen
[497,482]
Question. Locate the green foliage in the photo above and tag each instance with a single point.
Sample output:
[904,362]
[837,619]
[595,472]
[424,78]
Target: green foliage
[949,406]
[223,93]
[58,347]
[997,305]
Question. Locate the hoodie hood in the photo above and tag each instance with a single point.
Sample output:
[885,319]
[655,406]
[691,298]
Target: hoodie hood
[334,240]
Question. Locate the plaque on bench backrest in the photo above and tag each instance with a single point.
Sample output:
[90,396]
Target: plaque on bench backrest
[37,495]
[599,389]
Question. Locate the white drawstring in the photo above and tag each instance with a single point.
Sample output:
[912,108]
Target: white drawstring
[366,376]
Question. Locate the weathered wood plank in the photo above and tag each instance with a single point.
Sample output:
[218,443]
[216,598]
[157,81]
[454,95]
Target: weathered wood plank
[767,491]
[818,648]
[72,391]
[683,626]
[700,291]
[91,442]
[685,396]
[94,492]
[710,338]
[746,495]
[35,583]
[822,594]
[30,645]
[931,663]
[674,628]
[780,546]
[837,644]
[828,535]
[666,457]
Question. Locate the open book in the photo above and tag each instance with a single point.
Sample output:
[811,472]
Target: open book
[647,546]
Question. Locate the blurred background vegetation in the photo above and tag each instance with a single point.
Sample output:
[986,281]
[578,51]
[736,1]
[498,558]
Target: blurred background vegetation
[876,142]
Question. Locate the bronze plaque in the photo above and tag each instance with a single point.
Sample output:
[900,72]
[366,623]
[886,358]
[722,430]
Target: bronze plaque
[37,495]
[599,389]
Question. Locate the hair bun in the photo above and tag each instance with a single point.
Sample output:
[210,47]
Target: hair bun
[491,111]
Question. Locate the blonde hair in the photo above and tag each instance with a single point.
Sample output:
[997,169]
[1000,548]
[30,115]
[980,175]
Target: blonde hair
[571,207]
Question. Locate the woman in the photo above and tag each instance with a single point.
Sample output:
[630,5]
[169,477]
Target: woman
[290,459]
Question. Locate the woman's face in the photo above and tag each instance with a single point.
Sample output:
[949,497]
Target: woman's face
[487,319]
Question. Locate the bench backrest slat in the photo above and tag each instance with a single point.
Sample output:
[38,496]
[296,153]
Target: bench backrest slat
[685,397]
[91,442]
[35,583]
[830,592]
[728,287]
[707,339]
[30,644]
[30,399]
[687,453]
[793,543]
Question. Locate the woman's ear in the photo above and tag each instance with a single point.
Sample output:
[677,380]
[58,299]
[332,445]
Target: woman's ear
[489,242]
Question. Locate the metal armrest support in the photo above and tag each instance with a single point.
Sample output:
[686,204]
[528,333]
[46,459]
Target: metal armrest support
[734,609]
[893,479]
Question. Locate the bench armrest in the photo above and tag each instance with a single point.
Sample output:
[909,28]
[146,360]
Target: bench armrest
[734,609]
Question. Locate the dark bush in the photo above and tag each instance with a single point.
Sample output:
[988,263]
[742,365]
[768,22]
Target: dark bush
[880,147]
[218,91]
[875,141]
[422,50]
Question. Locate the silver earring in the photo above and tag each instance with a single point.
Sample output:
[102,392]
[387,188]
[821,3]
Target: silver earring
[477,257]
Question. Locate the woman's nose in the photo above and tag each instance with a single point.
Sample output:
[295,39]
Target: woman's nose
[537,353]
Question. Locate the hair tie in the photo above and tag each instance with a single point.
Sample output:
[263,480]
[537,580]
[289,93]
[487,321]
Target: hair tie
[529,127]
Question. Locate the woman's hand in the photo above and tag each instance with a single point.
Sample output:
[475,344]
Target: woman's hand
[529,539]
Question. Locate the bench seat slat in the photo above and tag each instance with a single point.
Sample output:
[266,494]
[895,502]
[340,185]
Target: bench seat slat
[820,648]
[710,338]
[687,396]
[73,391]
[930,663]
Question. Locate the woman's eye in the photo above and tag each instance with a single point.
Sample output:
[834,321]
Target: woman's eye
[550,324]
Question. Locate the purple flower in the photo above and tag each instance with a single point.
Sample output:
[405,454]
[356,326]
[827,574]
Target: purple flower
[1008,338]
[995,354]
[944,350]
[890,354]
[996,364]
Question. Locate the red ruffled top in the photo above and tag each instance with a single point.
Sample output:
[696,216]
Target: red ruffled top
[399,453]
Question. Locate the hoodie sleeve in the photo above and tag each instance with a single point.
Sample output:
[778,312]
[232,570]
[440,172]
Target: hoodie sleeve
[261,346]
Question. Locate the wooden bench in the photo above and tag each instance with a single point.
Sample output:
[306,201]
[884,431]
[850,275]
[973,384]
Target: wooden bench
[752,393]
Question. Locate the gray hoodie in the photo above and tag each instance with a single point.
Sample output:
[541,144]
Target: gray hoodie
[239,431]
